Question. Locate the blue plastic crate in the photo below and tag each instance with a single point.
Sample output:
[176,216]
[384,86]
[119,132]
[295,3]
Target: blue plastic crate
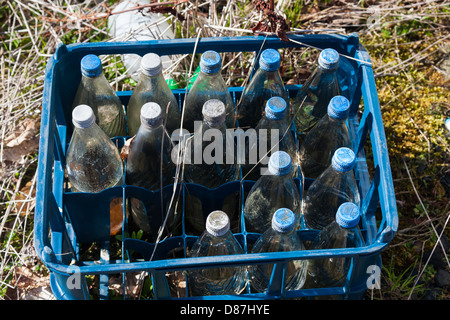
[64,220]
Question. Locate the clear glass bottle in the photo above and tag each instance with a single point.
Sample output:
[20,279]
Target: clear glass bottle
[152,87]
[216,240]
[332,188]
[93,162]
[265,83]
[280,237]
[208,85]
[206,163]
[206,151]
[312,100]
[330,134]
[149,163]
[273,122]
[271,192]
[343,232]
[95,91]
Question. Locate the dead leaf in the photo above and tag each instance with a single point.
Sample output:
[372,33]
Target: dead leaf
[25,131]
[23,141]
[126,148]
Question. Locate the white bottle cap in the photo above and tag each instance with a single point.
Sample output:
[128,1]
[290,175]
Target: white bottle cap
[83,116]
[217,223]
[151,114]
[151,64]
[214,112]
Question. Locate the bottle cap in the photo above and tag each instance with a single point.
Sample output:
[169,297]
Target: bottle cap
[347,215]
[151,64]
[217,223]
[83,116]
[91,66]
[210,62]
[283,220]
[328,59]
[280,163]
[270,60]
[151,114]
[275,108]
[339,107]
[343,159]
[214,112]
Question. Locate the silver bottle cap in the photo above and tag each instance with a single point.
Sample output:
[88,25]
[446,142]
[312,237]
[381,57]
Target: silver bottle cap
[214,112]
[151,64]
[151,114]
[83,116]
[217,223]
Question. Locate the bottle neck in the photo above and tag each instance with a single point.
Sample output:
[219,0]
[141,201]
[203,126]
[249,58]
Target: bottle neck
[146,127]
[155,79]
[326,70]
[336,121]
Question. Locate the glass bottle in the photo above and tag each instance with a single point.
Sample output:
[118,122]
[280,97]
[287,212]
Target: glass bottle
[149,163]
[216,240]
[266,83]
[343,232]
[280,237]
[325,138]
[272,131]
[95,91]
[312,100]
[206,151]
[208,85]
[275,190]
[152,87]
[93,162]
[332,188]
[206,162]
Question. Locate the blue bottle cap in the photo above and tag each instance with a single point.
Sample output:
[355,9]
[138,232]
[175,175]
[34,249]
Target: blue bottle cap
[447,124]
[347,215]
[328,59]
[280,163]
[339,107]
[283,220]
[217,223]
[151,64]
[83,116]
[91,66]
[343,159]
[214,112]
[275,108]
[151,114]
[270,60]
[210,62]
